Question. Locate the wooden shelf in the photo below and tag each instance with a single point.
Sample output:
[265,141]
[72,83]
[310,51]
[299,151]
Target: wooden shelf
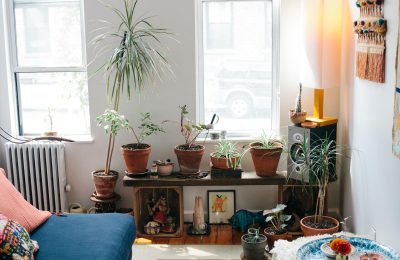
[248,178]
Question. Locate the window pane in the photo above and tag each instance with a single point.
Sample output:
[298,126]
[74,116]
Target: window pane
[60,98]
[238,79]
[48,33]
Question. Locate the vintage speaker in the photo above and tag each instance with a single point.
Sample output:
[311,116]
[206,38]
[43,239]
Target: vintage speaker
[300,142]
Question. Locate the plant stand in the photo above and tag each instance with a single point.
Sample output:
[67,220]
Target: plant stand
[105,205]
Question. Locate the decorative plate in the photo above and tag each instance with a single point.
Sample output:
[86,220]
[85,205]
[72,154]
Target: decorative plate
[312,250]
[326,249]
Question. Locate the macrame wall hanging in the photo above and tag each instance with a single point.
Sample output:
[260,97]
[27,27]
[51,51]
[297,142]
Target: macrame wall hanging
[371,29]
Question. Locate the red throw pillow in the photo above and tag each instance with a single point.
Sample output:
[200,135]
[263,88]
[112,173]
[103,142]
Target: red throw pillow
[15,207]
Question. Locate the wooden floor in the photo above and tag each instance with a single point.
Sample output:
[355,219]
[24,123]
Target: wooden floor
[220,235]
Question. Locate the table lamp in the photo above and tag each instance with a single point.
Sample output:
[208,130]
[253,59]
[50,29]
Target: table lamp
[320,51]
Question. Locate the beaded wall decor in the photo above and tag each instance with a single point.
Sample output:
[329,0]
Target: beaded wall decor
[371,29]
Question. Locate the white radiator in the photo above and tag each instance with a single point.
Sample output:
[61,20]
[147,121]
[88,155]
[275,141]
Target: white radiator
[37,170]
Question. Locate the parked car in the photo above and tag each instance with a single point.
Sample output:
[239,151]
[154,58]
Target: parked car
[245,87]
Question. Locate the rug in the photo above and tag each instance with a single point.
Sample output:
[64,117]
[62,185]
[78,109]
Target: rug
[175,252]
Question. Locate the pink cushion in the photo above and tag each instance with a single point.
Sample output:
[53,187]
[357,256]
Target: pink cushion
[15,207]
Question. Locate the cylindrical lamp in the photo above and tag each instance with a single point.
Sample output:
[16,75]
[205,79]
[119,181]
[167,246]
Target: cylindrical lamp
[320,49]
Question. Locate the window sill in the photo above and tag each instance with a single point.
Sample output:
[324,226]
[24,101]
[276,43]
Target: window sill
[78,139]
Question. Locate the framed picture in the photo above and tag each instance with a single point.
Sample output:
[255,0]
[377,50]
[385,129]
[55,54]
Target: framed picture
[221,206]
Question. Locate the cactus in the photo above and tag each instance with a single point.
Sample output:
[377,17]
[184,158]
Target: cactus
[298,100]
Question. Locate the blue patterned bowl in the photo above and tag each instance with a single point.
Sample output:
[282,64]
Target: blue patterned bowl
[312,250]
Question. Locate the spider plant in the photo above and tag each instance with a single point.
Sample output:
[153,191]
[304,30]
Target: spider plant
[269,141]
[228,150]
[137,58]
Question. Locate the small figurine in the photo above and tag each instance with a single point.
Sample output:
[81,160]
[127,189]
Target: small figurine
[160,210]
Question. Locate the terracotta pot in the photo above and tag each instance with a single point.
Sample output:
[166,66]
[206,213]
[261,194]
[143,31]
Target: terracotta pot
[165,170]
[254,251]
[222,163]
[265,160]
[104,184]
[136,159]
[309,231]
[271,237]
[189,160]
[297,117]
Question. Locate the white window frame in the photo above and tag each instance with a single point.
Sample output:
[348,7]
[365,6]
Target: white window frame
[13,59]
[275,126]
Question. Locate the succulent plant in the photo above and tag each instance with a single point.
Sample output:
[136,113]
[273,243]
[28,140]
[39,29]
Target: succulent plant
[298,100]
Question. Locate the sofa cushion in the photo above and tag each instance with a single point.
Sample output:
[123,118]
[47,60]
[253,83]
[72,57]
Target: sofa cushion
[15,242]
[86,236]
[15,207]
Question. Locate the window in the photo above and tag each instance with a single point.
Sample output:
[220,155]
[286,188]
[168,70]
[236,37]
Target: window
[48,62]
[237,64]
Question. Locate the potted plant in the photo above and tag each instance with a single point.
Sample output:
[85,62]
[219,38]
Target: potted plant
[298,116]
[50,118]
[164,167]
[105,180]
[266,153]
[189,154]
[321,166]
[136,155]
[277,219]
[253,244]
[137,58]
[226,155]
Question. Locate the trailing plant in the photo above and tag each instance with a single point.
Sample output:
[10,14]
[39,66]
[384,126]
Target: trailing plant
[146,128]
[113,123]
[137,58]
[228,150]
[298,100]
[189,130]
[276,217]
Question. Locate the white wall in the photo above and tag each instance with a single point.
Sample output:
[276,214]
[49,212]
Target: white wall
[370,191]
[163,100]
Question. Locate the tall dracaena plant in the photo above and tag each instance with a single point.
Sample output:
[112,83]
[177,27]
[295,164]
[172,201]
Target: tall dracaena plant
[136,59]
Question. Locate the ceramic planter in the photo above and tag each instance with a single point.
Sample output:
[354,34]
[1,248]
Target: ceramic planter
[136,159]
[265,160]
[189,160]
[272,237]
[222,163]
[309,231]
[254,251]
[297,117]
[165,170]
[104,184]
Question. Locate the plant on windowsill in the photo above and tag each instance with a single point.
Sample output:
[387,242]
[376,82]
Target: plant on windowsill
[136,61]
[226,155]
[105,180]
[320,163]
[189,154]
[253,244]
[277,229]
[266,153]
[136,155]
[298,116]
[50,119]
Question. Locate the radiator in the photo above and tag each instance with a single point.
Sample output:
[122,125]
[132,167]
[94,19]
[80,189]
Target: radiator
[37,170]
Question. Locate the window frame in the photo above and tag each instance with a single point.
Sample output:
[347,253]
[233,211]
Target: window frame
[15,68]
[275,120]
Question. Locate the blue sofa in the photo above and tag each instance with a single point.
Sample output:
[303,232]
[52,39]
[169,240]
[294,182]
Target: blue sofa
[86,236]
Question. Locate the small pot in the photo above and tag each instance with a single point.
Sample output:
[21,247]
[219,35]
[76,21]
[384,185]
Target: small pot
[265,160]
[104,184]
[297,117]
[272,237]
[136,159]
[222,163]
[254,251]
[50,133]
[165,170]
[309,231]
[189,160]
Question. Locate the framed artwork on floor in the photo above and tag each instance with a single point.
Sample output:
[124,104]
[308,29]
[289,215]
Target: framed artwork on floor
[221,206]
